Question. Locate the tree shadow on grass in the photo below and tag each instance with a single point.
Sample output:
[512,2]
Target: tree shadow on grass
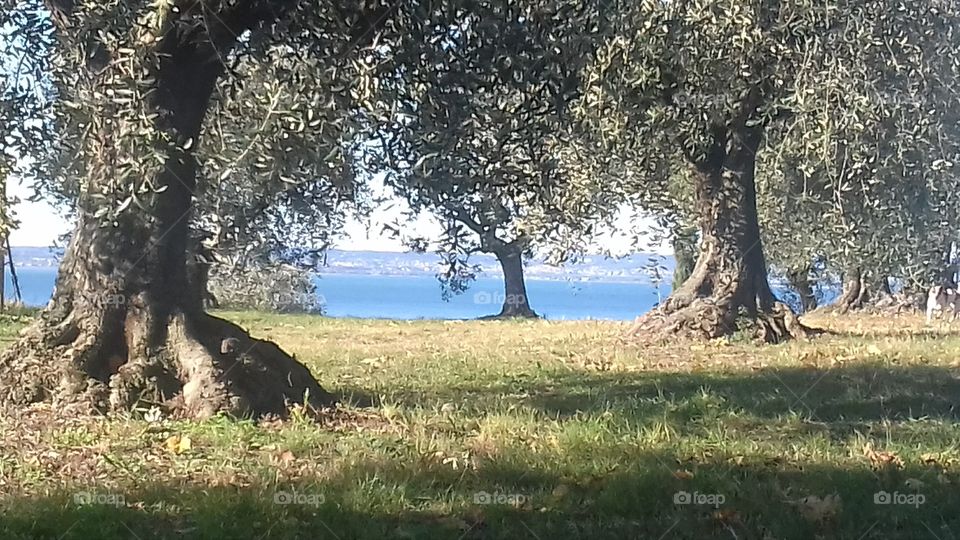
[926,332]
[844,395]
[584,489]
[509,499]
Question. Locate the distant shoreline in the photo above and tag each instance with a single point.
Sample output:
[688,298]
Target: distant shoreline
[632,269]
[582,279]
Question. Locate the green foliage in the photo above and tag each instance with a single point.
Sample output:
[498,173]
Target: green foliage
[524,123]
[279,143]
[271,287]
[476,128]
[866,173]
[857,103]
[26,131]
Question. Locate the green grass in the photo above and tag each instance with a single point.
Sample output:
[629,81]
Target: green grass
[575,432]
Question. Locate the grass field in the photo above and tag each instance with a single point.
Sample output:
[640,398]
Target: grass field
[541,430]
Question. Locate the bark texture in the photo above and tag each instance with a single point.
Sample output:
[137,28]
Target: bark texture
[729,282]
[126,323]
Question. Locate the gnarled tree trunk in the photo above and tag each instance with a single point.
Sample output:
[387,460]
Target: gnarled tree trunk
[855,291]
[515,300]
[799,279]
[125,324]
[729,281]
[863,291]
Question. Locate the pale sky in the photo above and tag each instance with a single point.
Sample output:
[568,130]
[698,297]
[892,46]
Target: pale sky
[41,225]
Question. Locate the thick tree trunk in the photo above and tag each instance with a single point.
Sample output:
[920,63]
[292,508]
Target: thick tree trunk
[515,300]
[126,325]
[800,281]
[729,281]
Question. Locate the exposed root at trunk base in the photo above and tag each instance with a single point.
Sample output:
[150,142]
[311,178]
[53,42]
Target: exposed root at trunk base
[879,304]
[703,318]
[511,314]
[203,366]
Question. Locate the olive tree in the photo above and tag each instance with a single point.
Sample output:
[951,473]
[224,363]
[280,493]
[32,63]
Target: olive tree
[478,132]
[719,83]
[137,80]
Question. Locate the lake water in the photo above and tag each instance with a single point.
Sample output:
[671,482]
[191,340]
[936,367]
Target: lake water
[418,297]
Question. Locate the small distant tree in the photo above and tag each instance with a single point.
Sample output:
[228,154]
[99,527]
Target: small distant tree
[478,127]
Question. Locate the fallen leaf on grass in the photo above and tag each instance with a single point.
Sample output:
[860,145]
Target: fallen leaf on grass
[726,517]
[561,491]
[178,444]
[817,509]
[881,459]
[286,457]
[448,408]
[913,483]
[591,482]
[683,475]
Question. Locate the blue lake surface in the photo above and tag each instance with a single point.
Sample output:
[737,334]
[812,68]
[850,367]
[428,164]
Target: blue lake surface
[36,284]
[418,297]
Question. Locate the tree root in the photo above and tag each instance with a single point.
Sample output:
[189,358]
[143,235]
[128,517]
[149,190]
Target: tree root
[203,366]
[879,304]
[506,315]
[704,318]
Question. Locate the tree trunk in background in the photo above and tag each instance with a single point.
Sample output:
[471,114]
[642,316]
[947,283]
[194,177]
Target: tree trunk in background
[3,278]
[800,281]
[515,300]
[855,292]
[885,286]
[948,277]
[730,277]
[125,324]
[5,217]
[684,255]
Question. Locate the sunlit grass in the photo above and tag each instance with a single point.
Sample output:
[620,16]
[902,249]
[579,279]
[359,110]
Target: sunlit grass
[575,432]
